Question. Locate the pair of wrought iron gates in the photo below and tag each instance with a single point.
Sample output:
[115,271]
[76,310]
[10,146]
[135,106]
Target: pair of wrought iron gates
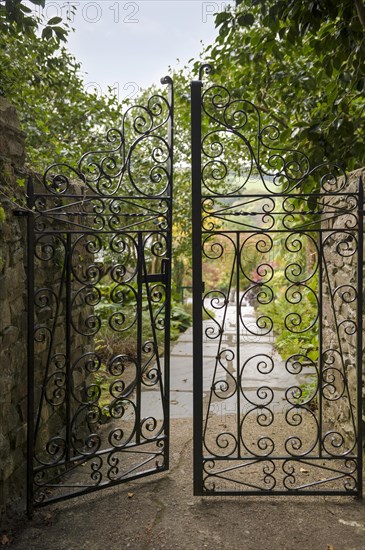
[99,266]
[277,267]
[277,273]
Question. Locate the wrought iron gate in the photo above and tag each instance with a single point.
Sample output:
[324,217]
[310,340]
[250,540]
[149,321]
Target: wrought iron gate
[99,256]
[277,260]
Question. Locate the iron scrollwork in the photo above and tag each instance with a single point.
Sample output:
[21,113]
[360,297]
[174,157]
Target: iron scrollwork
[101,242]
[275,260]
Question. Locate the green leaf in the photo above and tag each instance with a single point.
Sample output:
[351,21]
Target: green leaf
[221,17]
[60,33]
[25,9]
[246,20]
[41,3]
[54,21]
[329,69]
[47,33]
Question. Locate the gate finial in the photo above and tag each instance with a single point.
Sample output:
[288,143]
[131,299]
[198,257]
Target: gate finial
[206,68]
[166,80]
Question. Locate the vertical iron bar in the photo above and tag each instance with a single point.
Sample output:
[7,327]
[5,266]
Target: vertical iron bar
[168,263]
[68,321]
[196,88]
[320,341]
[30,346]
[238,381]
[360,283]
[139,336]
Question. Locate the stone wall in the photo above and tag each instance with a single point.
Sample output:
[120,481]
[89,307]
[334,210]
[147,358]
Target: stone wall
[49,357]
[13,356]
[340,320]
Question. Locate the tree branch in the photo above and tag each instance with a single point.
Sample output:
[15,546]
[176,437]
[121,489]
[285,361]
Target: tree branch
[262,106]
[360,8]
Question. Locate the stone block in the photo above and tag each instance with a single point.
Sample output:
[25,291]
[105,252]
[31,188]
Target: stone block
[5,317]
[22,409]
[4,359]
[4,446]
[6,382]
[12,145]
[17,362]
[10,336]
[10,417]
[20,435]
[17,306]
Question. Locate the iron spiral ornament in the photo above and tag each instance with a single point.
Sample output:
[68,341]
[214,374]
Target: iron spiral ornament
[277,247]
[99,295]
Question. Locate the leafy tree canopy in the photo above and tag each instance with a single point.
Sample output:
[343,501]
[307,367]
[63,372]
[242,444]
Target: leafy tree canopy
[45,83]
[302,63]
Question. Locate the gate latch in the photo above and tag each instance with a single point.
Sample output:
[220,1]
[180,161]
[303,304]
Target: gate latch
[155,278]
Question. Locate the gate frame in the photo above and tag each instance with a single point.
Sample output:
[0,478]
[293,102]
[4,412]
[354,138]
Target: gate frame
[198,291]
[31,213]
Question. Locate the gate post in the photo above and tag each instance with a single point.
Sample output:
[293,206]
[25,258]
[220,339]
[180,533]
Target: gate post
[360,282]
[30,346]
[196,93]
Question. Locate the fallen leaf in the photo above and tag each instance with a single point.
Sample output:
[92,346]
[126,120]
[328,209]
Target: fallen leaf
[304,471]
[330,547]
[4,540]
[48,517]
[130,495]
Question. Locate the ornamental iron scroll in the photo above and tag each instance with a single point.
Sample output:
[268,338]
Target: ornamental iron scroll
[277,262]
[99,307]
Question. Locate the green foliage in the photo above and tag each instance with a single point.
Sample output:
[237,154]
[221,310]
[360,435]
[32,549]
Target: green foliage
[110,342]
[307,393]
[181,319]
[17,17]
[44,82]
[279,310]
[301,63]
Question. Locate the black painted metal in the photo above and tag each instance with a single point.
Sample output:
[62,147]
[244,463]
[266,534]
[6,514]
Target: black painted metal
[99,273]
[196,88]
[272,420]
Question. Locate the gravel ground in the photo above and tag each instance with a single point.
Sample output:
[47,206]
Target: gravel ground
[161,512]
